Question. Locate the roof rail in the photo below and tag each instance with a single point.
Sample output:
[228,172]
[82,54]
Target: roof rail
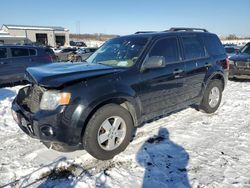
[186,29]
[143,32]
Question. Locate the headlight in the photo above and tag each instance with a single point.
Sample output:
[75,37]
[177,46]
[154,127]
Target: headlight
[231,62]
[52,99]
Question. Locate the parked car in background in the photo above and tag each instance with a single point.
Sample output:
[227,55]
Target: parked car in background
[77,44]
[240,63]
[81,54]
[128,81]
[63,55]
[231,50]
[14,59]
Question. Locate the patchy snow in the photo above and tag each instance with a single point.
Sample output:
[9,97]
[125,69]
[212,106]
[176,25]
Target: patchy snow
[185,149]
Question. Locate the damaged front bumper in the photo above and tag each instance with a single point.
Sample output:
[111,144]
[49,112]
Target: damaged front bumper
[47,126]
[239,70]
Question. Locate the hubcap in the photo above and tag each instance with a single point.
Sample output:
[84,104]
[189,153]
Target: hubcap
[214,97]
[111,133]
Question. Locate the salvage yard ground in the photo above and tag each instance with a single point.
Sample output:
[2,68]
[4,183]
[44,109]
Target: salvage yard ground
[185,149]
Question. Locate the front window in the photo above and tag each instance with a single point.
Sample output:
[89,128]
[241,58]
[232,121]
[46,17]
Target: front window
[120,52]
[246,49]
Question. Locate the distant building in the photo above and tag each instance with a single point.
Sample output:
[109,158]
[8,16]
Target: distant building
[46,35]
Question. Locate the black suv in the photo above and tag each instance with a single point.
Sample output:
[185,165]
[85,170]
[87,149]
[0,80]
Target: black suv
[240,63]
[128,81]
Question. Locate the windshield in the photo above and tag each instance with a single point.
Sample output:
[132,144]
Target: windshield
[246,49]
[230,50]
[79,51]
[120,52]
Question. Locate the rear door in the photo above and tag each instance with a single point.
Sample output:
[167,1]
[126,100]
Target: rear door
[161,89]
[5,68]
[20,60]
[197,63]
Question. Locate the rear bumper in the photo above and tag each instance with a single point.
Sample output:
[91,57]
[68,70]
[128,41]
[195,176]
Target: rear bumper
[47,126]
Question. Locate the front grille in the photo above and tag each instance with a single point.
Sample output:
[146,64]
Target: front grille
[243,64]
[33,98]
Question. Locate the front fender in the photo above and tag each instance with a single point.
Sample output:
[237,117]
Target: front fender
[82,108]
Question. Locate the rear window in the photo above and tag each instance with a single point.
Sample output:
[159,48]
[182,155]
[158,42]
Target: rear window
[19,52]
[3,53]
[193,48]
[68,50]
[213,45]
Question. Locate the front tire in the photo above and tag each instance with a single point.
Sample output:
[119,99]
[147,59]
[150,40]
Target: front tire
[108,132]
[212,97]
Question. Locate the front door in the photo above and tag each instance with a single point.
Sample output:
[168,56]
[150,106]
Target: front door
[161,89]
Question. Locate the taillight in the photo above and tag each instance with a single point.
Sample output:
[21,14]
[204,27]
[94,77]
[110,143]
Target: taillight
[48,58]
[224,63]
[227,63]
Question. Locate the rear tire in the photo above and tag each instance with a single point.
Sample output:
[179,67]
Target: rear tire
[212,96]
[101,138]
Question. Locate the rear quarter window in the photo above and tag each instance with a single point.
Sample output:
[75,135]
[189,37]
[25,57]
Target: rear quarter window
[213,45]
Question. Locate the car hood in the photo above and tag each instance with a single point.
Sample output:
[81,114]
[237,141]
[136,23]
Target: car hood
[240,57]
[58,74]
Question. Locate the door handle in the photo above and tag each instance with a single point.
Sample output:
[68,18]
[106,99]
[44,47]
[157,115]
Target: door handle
[207,65]
[177,73]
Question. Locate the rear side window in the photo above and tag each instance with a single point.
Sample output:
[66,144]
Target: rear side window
[167,48]
[19,52]
[193,48]
[3,53]
[32,52]
[213,45]
[49,51]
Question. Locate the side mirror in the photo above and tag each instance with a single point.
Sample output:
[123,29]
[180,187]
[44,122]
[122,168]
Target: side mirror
[154,62]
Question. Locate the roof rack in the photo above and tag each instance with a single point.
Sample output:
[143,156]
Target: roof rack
[143,32]
[186,29]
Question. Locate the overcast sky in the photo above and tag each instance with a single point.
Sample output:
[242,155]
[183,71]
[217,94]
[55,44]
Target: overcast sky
[223,17]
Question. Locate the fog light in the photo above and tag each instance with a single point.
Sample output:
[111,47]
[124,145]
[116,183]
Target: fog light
[15,117]
[47,130]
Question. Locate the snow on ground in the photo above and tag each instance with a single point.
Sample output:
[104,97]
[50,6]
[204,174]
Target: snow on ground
[185,149]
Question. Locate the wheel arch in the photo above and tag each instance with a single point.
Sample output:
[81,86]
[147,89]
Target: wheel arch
[216,75]
[126,102]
